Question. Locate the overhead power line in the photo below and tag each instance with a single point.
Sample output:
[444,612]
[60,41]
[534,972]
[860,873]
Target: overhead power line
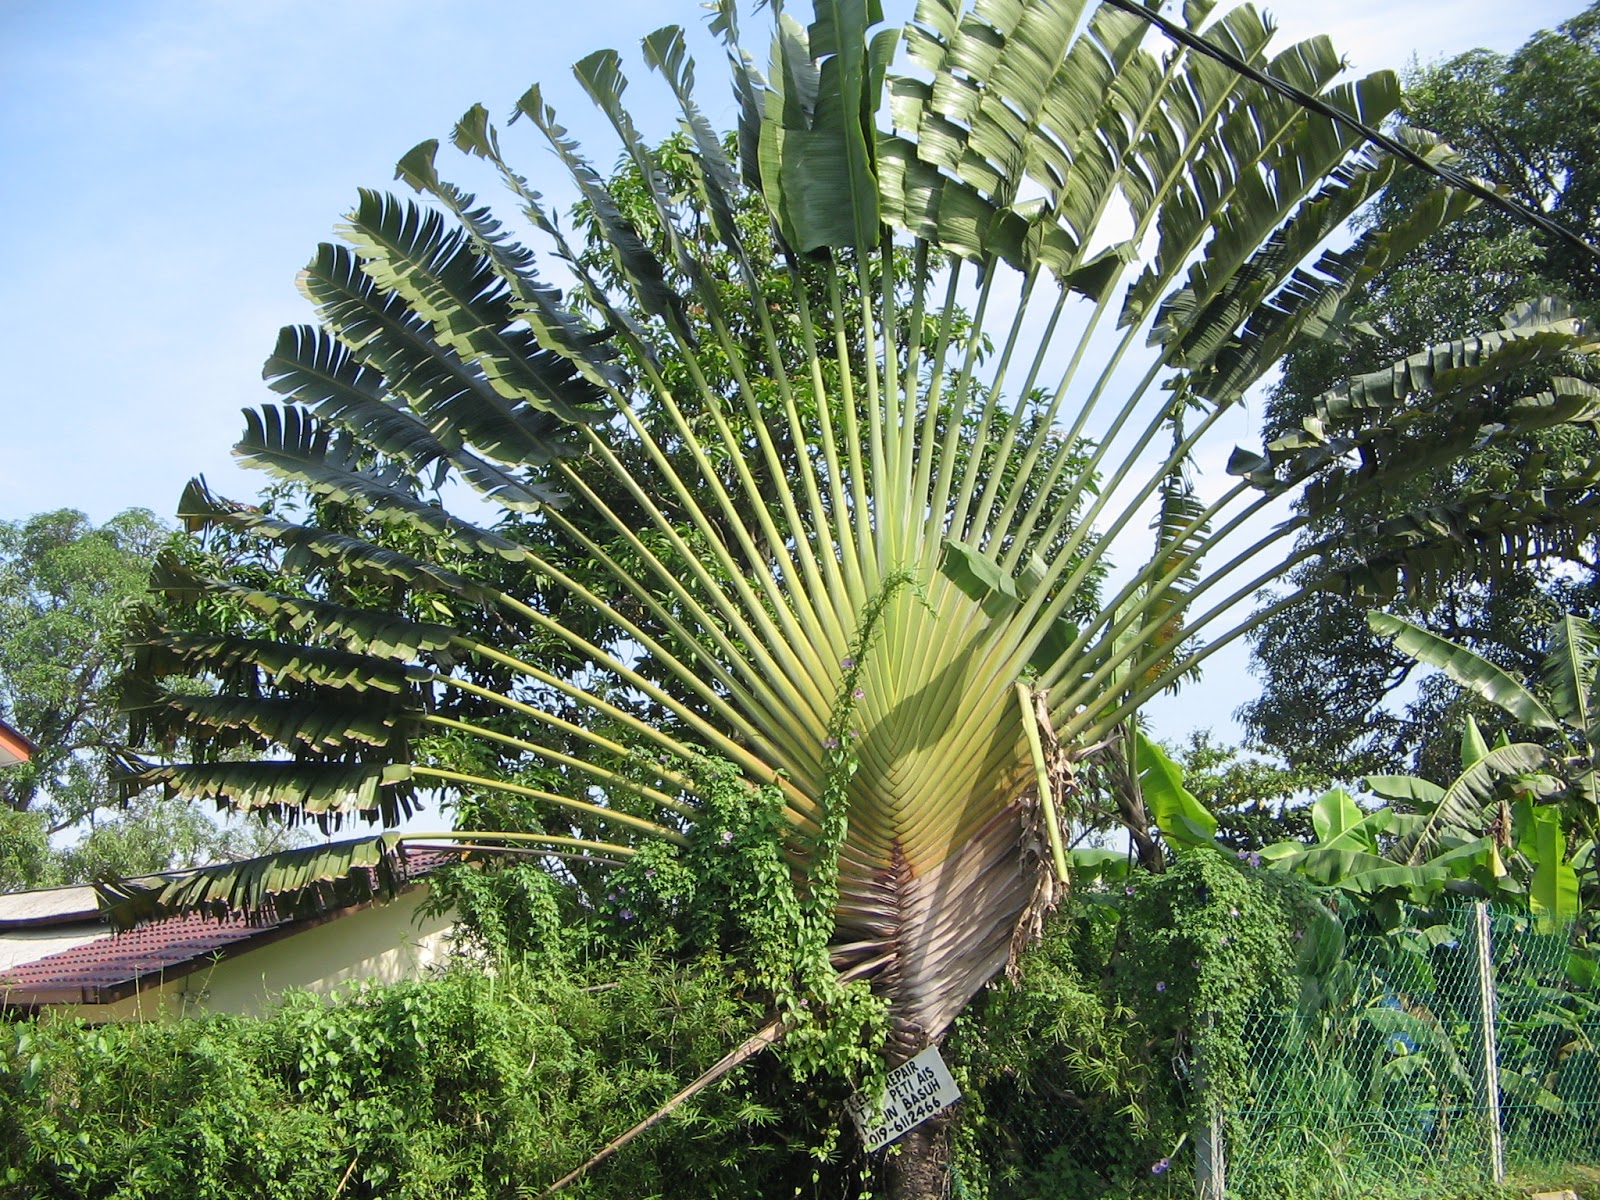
[1376,137]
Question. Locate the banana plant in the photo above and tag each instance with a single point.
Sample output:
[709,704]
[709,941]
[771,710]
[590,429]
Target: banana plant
[1183,820]
[1352,852]
[1560,707]
[1563,705]
[778,505]
[1428,835]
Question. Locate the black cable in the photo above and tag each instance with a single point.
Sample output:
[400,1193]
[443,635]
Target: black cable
[1455,179]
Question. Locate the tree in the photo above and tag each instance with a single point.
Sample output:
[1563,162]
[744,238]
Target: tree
[1557,714]
[66,587]
[1528,121]
[1256,802]
[800,532]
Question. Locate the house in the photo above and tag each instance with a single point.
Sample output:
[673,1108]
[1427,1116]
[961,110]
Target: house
[58,954]
[14,748]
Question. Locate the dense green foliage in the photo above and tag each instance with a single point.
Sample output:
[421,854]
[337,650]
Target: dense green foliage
[1527,120]
[1313,1022]
[1372,1084]
[467,1085]
[489,1085]
[1083,1079]
[66,587]
[728,891]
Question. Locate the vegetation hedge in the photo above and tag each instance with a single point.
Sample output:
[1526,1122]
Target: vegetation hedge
[495,1083]
[470,1084]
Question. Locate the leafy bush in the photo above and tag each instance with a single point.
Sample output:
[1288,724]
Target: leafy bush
[467,1085]
[1081,1078]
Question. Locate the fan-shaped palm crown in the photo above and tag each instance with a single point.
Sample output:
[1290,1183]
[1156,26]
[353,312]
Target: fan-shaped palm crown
[855,508]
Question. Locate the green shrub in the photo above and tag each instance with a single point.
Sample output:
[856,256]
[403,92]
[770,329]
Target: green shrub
[468,1085]
[1080,1079]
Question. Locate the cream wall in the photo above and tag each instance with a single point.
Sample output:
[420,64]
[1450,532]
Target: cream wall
[384,943]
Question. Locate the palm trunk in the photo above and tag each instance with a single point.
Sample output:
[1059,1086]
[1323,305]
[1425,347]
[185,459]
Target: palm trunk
[921,1169]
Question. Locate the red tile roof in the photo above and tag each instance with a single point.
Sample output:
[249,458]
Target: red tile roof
[112,968]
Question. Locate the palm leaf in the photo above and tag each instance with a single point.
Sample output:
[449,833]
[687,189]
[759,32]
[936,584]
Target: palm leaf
[293,883]
[323,791]
[1178,814]
[1410,790]
[295,446]
[1461,805]
[1338,820]
[159,652]
[1470,670]
[1473,746]
[1553,890]
[312,368]
[309,881]
[1569,673]
[308,723]
[891,462]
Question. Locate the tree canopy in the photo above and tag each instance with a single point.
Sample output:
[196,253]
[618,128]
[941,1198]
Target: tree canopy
[64,586]
[67,587]
[1526,120]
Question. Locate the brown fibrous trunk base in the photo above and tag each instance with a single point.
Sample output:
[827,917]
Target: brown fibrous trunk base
[921,1169]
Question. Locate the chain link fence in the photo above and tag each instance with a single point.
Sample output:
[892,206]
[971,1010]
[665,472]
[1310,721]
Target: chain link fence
[1451,1048]
[1446,1050]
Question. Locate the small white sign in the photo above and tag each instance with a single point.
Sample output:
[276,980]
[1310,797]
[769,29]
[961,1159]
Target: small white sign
[915,1091]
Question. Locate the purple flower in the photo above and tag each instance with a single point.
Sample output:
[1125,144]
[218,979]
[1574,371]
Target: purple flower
[650,874]
[1161,985]
[1299,934]
[859,694]
[611,896]
[830,742]
[727,836]
[626,914]
[1233,912]
[1254,860]
[1127,889]
[1160,1166]
[847,662]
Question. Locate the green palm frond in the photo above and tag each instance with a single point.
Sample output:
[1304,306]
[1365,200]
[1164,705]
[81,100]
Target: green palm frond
[921,360]
[310,881]
[293,883]
[325,791]
[1569,674]
[1472,671]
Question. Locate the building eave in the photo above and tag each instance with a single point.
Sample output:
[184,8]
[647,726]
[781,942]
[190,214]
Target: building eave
[14,748]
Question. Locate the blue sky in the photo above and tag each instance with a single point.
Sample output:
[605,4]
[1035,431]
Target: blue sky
[170,166]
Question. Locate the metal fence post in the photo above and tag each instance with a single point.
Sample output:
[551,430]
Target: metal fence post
[1491,1060]
[1210,1159]
[1210,1166]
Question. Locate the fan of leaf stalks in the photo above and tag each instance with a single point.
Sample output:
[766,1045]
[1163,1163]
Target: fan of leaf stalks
[834,503]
